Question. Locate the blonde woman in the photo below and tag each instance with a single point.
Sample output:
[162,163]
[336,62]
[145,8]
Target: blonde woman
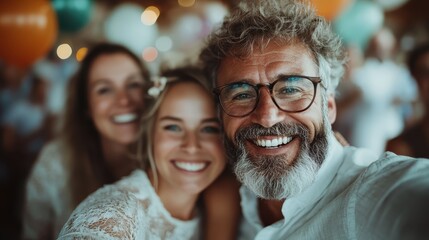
[182,155]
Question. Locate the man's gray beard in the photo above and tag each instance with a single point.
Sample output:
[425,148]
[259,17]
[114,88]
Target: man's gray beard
[271,177]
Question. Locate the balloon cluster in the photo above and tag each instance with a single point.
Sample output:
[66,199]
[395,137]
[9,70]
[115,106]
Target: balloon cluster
[356,21]
[72,15]
[29,28]
[357,24]
[190,28]
[124,26]
[330,8]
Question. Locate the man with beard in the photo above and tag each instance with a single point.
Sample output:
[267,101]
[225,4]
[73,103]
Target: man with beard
[275,66]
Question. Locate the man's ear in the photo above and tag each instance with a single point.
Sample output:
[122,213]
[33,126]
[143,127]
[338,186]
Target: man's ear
[332,108]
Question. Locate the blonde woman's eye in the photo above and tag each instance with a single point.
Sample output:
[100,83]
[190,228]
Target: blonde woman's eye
[173,128]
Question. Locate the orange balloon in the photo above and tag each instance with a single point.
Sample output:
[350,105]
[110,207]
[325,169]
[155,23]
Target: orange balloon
[330,9]
[28,29]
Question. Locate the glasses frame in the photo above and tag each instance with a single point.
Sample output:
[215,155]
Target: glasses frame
[217,91]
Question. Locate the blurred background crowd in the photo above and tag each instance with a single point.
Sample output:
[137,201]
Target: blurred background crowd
[42,43]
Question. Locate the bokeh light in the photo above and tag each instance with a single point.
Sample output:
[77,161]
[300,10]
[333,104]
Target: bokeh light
[64,51]
[164,43]
[186,3]
[81,53]
[150,54]
[187,31]
[153,9]
[150,15]
[124,26]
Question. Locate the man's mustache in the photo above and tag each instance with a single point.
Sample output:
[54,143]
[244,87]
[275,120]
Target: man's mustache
[282,129]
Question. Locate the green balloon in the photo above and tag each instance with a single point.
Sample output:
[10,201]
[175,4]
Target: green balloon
[72,14]
[359,23]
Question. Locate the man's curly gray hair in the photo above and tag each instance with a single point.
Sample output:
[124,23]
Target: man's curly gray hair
[253,24]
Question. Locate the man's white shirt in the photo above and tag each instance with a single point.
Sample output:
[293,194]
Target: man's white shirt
[346,199]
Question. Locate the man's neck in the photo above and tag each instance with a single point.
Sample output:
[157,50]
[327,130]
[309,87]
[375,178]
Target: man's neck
[270,211]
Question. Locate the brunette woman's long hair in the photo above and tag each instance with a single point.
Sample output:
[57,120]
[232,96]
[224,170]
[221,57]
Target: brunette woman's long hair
[80,138]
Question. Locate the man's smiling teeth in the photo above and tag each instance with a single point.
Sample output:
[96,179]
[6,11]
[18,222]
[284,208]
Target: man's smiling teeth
[190,167]
[273,142]
[125,118]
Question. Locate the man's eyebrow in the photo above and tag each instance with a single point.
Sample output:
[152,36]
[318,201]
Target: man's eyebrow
[296,72]
[241,80]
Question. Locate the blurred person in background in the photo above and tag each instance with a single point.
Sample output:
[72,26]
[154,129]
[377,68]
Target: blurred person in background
[57,72]
[14,85]
[415,140]
[25,126]
[386,95]
[348,94]
[101,121]
[27,122]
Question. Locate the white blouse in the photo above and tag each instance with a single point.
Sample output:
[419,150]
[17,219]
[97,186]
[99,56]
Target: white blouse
[48,198]
[128,209]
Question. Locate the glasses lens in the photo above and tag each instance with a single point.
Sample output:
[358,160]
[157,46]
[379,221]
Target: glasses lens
[293,93]
[238,99]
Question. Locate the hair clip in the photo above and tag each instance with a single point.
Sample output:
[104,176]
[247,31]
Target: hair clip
[158,87]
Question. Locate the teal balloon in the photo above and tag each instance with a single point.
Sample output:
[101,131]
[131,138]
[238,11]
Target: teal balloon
[72,15]
[358,24]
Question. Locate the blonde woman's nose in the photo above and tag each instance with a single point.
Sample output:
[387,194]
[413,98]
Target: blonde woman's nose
[191,143]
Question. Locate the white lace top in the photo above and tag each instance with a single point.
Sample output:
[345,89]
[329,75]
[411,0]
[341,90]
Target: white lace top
[128,209]
[47,204]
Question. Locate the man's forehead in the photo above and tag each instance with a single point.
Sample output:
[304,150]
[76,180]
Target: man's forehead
[273,52]
[268,57]
[275,49]
[272,60]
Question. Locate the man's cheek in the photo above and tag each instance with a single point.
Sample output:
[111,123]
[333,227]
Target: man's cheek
[229,128]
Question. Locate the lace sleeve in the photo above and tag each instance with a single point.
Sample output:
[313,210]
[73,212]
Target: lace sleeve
[110,213]
[128,209]
[46,177]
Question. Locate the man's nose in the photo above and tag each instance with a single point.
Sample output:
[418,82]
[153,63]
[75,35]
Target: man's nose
[267,113]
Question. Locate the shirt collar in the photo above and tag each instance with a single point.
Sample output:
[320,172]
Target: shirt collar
[326,174]
[313,193]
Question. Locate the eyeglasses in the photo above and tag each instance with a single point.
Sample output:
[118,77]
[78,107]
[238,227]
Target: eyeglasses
[289,93]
